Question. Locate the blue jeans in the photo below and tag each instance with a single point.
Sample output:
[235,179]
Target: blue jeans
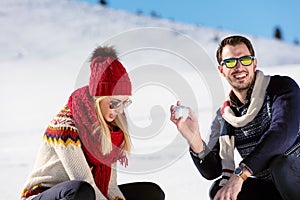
[68,190]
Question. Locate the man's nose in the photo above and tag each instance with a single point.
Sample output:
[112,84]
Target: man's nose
[238,64]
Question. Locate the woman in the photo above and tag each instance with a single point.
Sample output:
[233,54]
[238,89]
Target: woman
[82,144]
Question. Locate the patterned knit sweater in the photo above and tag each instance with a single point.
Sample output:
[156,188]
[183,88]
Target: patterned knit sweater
[61,158]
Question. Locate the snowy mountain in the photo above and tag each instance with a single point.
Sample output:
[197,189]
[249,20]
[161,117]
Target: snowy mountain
[44,50]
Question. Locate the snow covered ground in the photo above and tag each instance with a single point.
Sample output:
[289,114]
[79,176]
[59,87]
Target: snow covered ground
[43,57]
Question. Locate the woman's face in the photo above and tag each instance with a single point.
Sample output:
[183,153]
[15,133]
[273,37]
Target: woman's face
[113,105]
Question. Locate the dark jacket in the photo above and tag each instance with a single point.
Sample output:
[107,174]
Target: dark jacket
[281,134]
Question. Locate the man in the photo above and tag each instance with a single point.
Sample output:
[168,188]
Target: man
[260,119]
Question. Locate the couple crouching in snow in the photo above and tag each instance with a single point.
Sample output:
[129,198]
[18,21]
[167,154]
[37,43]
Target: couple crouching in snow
[81,145]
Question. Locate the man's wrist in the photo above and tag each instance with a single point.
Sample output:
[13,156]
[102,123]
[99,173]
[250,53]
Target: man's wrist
[197,148]
[196,143]
[242,172]
[201,154]
[246,168]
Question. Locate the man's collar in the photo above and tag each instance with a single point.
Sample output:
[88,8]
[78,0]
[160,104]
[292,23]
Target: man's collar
[234,100]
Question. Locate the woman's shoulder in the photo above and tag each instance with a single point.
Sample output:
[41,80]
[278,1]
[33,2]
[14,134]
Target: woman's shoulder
[62,129]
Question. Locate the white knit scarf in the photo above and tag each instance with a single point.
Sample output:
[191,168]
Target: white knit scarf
[226,141]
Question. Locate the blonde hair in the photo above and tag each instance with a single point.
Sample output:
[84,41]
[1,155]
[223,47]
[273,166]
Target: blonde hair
[120,121]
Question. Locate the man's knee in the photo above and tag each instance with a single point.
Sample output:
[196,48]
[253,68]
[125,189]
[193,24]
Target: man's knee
[285,172]
[215,187]
[277,165]
[284,166]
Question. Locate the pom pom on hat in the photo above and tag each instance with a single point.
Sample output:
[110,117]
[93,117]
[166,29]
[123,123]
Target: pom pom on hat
[108,76]
[104,52]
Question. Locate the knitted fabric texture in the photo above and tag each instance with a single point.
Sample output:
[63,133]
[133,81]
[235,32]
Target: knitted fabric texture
[63,157]
[89,130]
[227,141]
[257,100]
[108,76]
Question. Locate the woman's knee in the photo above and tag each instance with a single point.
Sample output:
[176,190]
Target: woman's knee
[74,189]
[142,190]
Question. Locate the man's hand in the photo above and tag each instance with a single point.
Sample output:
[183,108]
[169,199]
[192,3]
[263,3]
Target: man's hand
[188,128]
[231,189]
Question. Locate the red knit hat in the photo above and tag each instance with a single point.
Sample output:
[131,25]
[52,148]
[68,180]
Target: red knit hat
[108,76]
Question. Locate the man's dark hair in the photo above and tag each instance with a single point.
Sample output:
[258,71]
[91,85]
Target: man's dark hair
[233,40]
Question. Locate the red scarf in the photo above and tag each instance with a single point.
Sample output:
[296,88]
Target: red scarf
[83,110]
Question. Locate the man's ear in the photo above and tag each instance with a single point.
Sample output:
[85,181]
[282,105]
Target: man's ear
[254,63]
[220,68]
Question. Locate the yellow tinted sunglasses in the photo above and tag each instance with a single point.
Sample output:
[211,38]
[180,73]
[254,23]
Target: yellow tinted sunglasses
[232,62]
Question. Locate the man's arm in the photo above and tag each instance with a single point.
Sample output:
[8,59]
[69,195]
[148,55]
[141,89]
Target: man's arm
[208,162]
[209,165]
[282,134]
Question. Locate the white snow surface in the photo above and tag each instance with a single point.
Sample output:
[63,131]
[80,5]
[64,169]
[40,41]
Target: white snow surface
[45,45]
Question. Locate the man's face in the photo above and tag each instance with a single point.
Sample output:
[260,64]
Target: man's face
[239,77]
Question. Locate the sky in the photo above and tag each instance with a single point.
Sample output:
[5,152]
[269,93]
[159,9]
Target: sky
[256,17]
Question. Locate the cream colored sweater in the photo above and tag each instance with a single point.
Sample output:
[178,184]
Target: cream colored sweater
[61,159]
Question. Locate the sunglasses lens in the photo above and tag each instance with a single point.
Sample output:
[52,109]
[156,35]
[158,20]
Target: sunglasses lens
[127,102]
[230,63]
[115,104]
[246,61]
